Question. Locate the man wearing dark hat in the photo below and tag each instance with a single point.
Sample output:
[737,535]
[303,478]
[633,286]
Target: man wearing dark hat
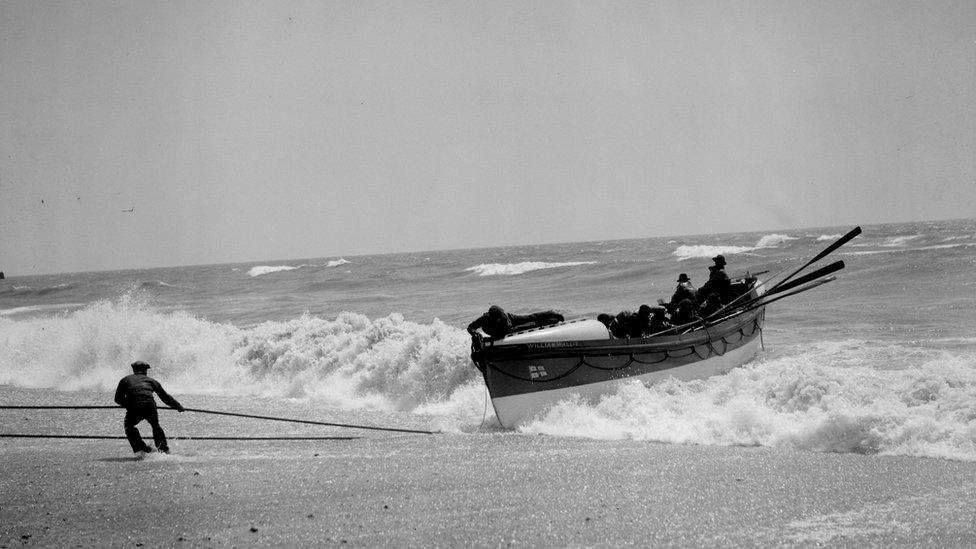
[684,290]
[135,394]
[718,282]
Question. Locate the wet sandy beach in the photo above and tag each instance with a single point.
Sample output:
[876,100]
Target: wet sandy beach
[482,489]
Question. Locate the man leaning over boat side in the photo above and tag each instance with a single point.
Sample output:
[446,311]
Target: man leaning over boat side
[497,323]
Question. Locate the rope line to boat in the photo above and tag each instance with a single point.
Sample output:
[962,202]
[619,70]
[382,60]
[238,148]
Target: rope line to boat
[484,413]
[761,342]
[115,437]
[215,412]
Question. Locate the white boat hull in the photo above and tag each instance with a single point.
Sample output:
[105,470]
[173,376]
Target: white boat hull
[516,410]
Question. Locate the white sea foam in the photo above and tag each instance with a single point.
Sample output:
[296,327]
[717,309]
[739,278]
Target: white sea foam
[268,269]
[495,269]
[773,240]
[897,241]
[349,362]
[684,252]
[337,262]
[830,237]
[829,399]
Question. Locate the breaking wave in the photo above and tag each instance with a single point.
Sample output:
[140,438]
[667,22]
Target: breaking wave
[684,252]
[827,400]
[830,237]
[261,270]
[851,396]
[897,241]
[350,362]
[496,269]
[773,240]
[268,269]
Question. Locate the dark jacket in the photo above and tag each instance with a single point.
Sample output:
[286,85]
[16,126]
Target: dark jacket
[718,282]
[683,291]
[497,323]
[136,391]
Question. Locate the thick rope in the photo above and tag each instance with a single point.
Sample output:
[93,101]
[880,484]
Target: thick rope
[113,437]
[289,420]
[309,422]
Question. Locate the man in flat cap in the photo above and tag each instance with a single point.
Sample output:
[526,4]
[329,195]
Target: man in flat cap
[135,394]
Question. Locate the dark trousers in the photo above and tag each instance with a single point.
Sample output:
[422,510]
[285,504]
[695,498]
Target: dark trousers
[134,416]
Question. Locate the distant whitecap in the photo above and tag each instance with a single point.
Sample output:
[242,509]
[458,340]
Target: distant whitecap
[268,269]
[509,269]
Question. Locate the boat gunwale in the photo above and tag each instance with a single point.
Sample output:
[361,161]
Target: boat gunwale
[629,346]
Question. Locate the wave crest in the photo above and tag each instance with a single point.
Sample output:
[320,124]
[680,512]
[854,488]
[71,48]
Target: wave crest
[510,269]
[350,362]
[684,252]
[261,270]
[811,402]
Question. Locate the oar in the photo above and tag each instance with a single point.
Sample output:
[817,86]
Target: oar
[734,304]
[823,271]
[747,305]
[763,303]
[827,251]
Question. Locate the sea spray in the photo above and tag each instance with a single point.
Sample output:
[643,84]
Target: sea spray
[89,349]
[807,401]
[349,362]
[354,361]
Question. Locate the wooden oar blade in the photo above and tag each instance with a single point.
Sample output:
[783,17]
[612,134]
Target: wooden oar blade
[823,271]
[809,286]
[840,242]
[827,251]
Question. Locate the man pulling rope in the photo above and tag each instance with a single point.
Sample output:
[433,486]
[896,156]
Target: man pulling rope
[135,394]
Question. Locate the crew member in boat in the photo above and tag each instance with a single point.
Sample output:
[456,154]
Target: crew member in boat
[497,323]
[642,322]
[659,321]
[686,313]
[710,306]
[684,290]
[718,281]
[620,326]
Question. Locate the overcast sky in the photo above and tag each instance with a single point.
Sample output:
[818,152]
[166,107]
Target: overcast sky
[248,131]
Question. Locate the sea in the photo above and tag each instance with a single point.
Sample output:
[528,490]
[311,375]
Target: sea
[881,361]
